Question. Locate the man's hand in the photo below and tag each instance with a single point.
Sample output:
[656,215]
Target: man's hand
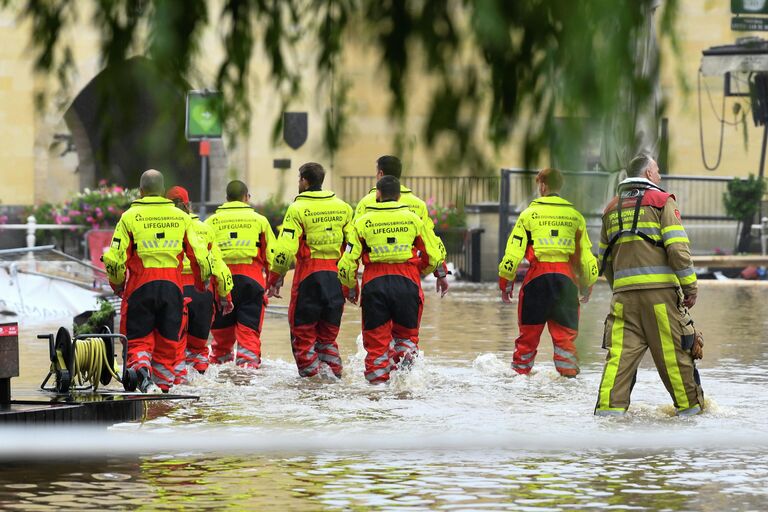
[118,289]
[225,306]
[585,295]
[351,294]
[274,283]
[507,288]
[441,286]
[689,301]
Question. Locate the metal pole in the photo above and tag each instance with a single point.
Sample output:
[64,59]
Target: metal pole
[205,150]
[504,194]
[761,172]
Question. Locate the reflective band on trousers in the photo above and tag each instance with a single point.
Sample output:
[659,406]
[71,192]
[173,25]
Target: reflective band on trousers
[670,357]
[160,373]
[244,352]
[143,356]
[527,356]
[614,355]
[327,347]
[224,358]
[310,369]
[329,358]
[383,358]
[377,374]
[524,366]
[565,354]
[199,358]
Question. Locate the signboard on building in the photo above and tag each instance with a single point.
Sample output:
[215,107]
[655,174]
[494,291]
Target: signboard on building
[749,6]
[749,24]
[203,118]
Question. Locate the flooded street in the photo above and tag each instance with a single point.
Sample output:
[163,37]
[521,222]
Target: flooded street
[461,431]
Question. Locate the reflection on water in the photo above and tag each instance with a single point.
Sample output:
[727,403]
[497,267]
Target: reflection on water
[461,431]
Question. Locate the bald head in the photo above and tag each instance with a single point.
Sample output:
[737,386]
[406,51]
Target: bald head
[237,191]
[152,183]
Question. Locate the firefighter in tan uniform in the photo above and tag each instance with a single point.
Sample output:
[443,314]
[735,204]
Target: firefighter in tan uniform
[645,256]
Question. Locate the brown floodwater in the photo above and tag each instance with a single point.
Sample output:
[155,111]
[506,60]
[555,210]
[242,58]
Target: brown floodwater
[461,431]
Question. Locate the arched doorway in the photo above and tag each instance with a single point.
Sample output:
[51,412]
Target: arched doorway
[129,118]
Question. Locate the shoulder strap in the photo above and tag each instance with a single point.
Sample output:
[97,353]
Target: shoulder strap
[631,231]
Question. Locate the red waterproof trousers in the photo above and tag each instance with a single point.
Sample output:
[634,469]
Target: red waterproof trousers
[549,296]
[392,302]
[314,314]
[151,319]
[243,325]
[199,306]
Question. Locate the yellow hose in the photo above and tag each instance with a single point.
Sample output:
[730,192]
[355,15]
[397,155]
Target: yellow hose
[90,360]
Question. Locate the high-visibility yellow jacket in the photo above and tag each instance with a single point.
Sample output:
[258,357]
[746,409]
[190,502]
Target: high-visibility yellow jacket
[243,235]
[220,271]
[313,229]
[658,254]
[389,233]
[412,201]
[556,232]
[150,240]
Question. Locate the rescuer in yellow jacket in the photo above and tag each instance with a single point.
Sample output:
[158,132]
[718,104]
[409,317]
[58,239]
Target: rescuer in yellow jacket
[312,236]
[552,235]
[388,165]
[646,258]
[193,349]
[143,263]
[395,248]
[246,241]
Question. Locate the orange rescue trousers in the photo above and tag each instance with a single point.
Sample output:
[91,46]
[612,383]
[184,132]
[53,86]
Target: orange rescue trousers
[314,314]
[152,321]
[548,297]
[243,325]
[392,302]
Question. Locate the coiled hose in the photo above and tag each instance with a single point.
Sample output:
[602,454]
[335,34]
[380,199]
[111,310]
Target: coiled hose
[90,360]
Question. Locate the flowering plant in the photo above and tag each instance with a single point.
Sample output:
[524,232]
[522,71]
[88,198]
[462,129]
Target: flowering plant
[97,208]
[446,217]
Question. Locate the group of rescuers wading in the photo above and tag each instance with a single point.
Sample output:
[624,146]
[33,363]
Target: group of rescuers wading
[162,255]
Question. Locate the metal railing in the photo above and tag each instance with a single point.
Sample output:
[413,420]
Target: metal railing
[32,227]
[445,190]
[462,246]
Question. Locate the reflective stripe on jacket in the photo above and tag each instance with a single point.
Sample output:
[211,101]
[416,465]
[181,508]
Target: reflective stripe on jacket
[412,201]
[313,228]
[243,235]
[389,233]
[555,232]
[154,234]
[635,263]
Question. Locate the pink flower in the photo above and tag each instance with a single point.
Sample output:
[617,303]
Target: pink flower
[117,189]
[111,209]
[102,183]
[89,219]
[74,213]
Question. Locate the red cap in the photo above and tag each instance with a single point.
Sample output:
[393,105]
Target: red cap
[178,193]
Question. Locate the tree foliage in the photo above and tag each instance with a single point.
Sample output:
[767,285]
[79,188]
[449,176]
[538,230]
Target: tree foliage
[492,68]
[742,202]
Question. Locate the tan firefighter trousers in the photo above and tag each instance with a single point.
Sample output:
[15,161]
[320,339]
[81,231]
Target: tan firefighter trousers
[652,319]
